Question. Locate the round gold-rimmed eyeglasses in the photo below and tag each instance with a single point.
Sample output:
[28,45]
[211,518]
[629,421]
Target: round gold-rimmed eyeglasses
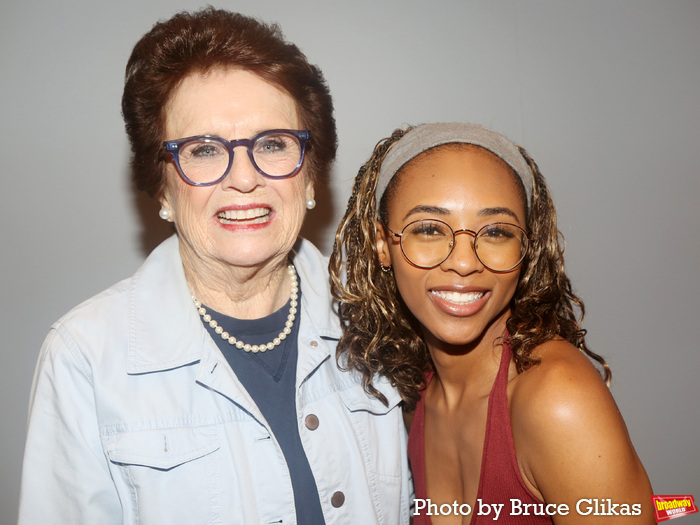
[427,243]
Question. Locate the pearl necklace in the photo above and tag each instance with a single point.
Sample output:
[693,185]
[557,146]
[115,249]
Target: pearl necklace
[294,295]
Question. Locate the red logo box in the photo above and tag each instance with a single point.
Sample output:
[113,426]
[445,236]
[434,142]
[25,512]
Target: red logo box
[670,507]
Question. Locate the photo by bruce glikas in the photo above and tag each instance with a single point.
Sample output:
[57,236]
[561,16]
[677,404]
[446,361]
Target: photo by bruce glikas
[584,507]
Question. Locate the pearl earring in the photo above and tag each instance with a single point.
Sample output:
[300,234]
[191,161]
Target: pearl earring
[310,204]
[164,214]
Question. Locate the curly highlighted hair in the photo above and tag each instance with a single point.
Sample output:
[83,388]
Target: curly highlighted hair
[381,336]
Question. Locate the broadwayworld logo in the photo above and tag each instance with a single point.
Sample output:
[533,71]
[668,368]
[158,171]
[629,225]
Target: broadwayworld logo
[669,507]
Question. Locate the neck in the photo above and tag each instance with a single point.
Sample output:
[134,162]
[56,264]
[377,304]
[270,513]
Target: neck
[471,368]
[238,291]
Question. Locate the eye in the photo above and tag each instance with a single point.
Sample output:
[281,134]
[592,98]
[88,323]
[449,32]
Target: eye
[498,233]
[203,151]
[274,145]
[429,228]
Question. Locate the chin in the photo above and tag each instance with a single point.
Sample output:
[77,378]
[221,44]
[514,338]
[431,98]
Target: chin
[250,254]
[467,333]
[452,341]
[246,260]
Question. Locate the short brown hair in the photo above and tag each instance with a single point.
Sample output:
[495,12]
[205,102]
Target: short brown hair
[204,40]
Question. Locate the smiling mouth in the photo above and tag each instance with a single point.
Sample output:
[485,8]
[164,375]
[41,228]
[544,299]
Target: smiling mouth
[458,297]
[249,216]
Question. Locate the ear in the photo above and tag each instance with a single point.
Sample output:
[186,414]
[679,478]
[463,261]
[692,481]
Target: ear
[164,201]
[166,206]
[310,192]
[383,242]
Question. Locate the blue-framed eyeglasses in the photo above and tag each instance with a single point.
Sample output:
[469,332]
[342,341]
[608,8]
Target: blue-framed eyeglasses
[205,160]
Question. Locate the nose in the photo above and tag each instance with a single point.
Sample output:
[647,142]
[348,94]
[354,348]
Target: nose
[242,176]
[463,259]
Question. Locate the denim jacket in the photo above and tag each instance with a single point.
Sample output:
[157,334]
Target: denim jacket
[136,417]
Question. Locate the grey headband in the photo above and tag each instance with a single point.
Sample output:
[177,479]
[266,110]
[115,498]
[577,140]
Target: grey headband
[427,136]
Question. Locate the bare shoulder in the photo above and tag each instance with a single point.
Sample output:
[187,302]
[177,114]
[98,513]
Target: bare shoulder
[570,439]
[561,402]
[561,386]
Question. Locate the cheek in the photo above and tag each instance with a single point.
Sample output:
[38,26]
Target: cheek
[509,283]
[191,202]
[409,280]
[188,203]
[173,191]
[292,193]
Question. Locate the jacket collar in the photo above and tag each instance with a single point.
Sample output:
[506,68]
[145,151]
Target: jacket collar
[165,330]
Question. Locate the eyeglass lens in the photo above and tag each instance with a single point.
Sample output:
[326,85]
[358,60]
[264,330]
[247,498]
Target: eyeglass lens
[499,246]
[207,159]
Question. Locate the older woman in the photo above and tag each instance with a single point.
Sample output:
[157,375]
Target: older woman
[205,388]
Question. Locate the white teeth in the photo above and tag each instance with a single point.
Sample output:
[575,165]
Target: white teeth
[457,297]
[251,216]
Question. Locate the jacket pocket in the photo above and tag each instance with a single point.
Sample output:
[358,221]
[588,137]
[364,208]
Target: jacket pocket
[162,449]
[357,399]
[169,475]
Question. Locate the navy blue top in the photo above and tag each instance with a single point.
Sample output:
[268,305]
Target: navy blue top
[270,377]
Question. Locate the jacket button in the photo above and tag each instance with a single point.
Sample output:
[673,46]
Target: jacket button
[338,499]
[313,344]
[311,422]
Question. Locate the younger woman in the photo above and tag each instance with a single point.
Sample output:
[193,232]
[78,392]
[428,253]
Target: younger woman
[451,280]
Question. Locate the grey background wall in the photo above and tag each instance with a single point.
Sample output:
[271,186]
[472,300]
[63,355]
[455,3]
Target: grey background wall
[603,94]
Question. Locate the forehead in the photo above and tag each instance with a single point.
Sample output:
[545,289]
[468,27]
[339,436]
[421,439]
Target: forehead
[459,177]
[226,99]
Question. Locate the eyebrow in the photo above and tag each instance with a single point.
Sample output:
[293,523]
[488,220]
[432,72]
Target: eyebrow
[488,212]
[437,210]
[425,208]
